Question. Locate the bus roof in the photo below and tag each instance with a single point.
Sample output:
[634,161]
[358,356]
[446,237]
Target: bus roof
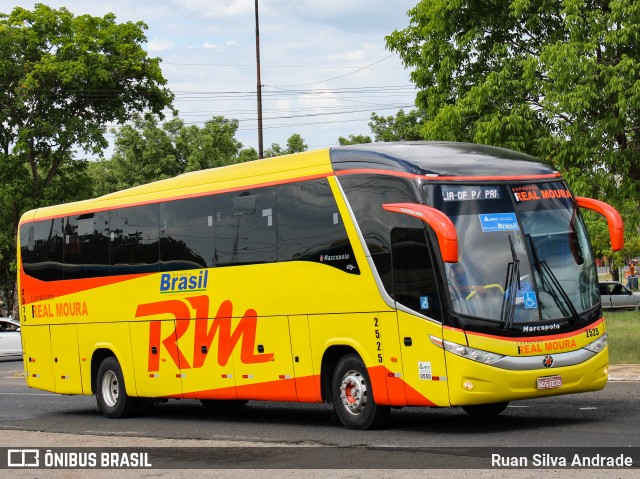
[429,159]
[439,159]
[268,171]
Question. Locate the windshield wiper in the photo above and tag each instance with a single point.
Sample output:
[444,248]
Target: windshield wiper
[512,284]
[555,288]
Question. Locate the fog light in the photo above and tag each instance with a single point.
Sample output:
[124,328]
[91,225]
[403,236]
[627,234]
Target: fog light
[606,371]
[468,385]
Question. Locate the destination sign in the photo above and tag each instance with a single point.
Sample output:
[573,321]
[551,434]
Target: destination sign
[470,193]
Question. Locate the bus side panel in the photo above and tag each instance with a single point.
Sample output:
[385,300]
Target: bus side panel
[66,361]
[38,360]
[425,371]
[113,337]
[156,358]
[392,357]
[203,377]
[307,381]
[264,367]
[355,330]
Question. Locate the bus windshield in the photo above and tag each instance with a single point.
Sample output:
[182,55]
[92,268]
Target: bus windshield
[523,253]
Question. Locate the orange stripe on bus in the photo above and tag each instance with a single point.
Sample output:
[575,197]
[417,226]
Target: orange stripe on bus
[404,174]
[56,289]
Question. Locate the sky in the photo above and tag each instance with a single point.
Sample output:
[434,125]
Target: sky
[324,65]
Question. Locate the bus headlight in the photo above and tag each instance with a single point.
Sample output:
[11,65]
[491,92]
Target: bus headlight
[598,345]
[478,355]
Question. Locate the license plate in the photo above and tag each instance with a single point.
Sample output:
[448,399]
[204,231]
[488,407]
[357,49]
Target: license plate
[549,382]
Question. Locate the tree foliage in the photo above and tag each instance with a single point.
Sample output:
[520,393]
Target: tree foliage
[354,140]
[559,79]
[146,151]
[63,79]
[295,144]
[402,127]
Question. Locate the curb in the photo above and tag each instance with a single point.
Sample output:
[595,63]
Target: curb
[624,372]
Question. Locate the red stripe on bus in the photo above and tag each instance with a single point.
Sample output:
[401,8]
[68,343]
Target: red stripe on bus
[538,338]
[56,289]
[404,174]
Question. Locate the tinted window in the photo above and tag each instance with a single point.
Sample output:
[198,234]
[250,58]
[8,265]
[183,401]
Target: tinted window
[86,246]
[366,195]
[414,277]
[245,227]
[41,249]
[186,234]
[310,227]
[134,240]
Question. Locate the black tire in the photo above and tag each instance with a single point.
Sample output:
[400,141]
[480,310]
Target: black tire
[111,393]
[222,405]
[353,398]
[486,410]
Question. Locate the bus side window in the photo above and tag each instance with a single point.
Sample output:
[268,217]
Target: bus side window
[366,195]
[244,227]
[86,245]
[414,277]
[397,243]
[310,227]
[186,234]
[42,253]
[134,234]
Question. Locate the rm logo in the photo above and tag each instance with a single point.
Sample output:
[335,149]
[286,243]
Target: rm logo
[205,332]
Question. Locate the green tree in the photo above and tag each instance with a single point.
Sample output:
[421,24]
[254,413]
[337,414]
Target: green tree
[295,144]
[402,127]
[354,140]
[554,78]
[147,151]
[63,78]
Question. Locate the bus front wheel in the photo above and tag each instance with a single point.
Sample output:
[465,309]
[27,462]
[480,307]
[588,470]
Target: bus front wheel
[111,394]
[353,398]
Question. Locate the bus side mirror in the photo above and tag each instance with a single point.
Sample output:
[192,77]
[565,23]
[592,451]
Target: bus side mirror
[438,221]
[614,220]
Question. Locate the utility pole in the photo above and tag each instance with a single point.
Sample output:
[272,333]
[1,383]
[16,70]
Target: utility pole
[260,143]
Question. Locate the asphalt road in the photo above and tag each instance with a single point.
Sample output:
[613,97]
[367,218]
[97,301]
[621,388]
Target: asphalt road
[249,442]
[606,418]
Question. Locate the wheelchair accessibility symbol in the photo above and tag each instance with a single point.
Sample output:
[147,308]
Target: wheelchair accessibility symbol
[530,301]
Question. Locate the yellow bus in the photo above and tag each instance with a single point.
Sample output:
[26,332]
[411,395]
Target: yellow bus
[368,277]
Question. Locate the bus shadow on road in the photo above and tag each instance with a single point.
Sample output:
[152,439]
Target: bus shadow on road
[431,420]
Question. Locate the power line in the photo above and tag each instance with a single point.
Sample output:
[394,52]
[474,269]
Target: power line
[346,74]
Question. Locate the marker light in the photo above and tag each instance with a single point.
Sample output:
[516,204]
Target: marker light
[598,345]
[478,355]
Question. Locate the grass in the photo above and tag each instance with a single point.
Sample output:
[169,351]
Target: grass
[624,336]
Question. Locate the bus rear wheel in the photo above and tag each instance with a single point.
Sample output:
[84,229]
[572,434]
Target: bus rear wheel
[353,398]
[111,394]
[485,410]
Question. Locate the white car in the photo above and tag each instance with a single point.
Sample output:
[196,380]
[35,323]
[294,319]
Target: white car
[615,295]
[10,343]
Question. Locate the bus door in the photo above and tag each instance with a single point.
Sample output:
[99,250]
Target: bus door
[416,291]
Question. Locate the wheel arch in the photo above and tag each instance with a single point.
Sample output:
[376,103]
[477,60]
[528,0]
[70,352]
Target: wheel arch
[101,353]
[330,360]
